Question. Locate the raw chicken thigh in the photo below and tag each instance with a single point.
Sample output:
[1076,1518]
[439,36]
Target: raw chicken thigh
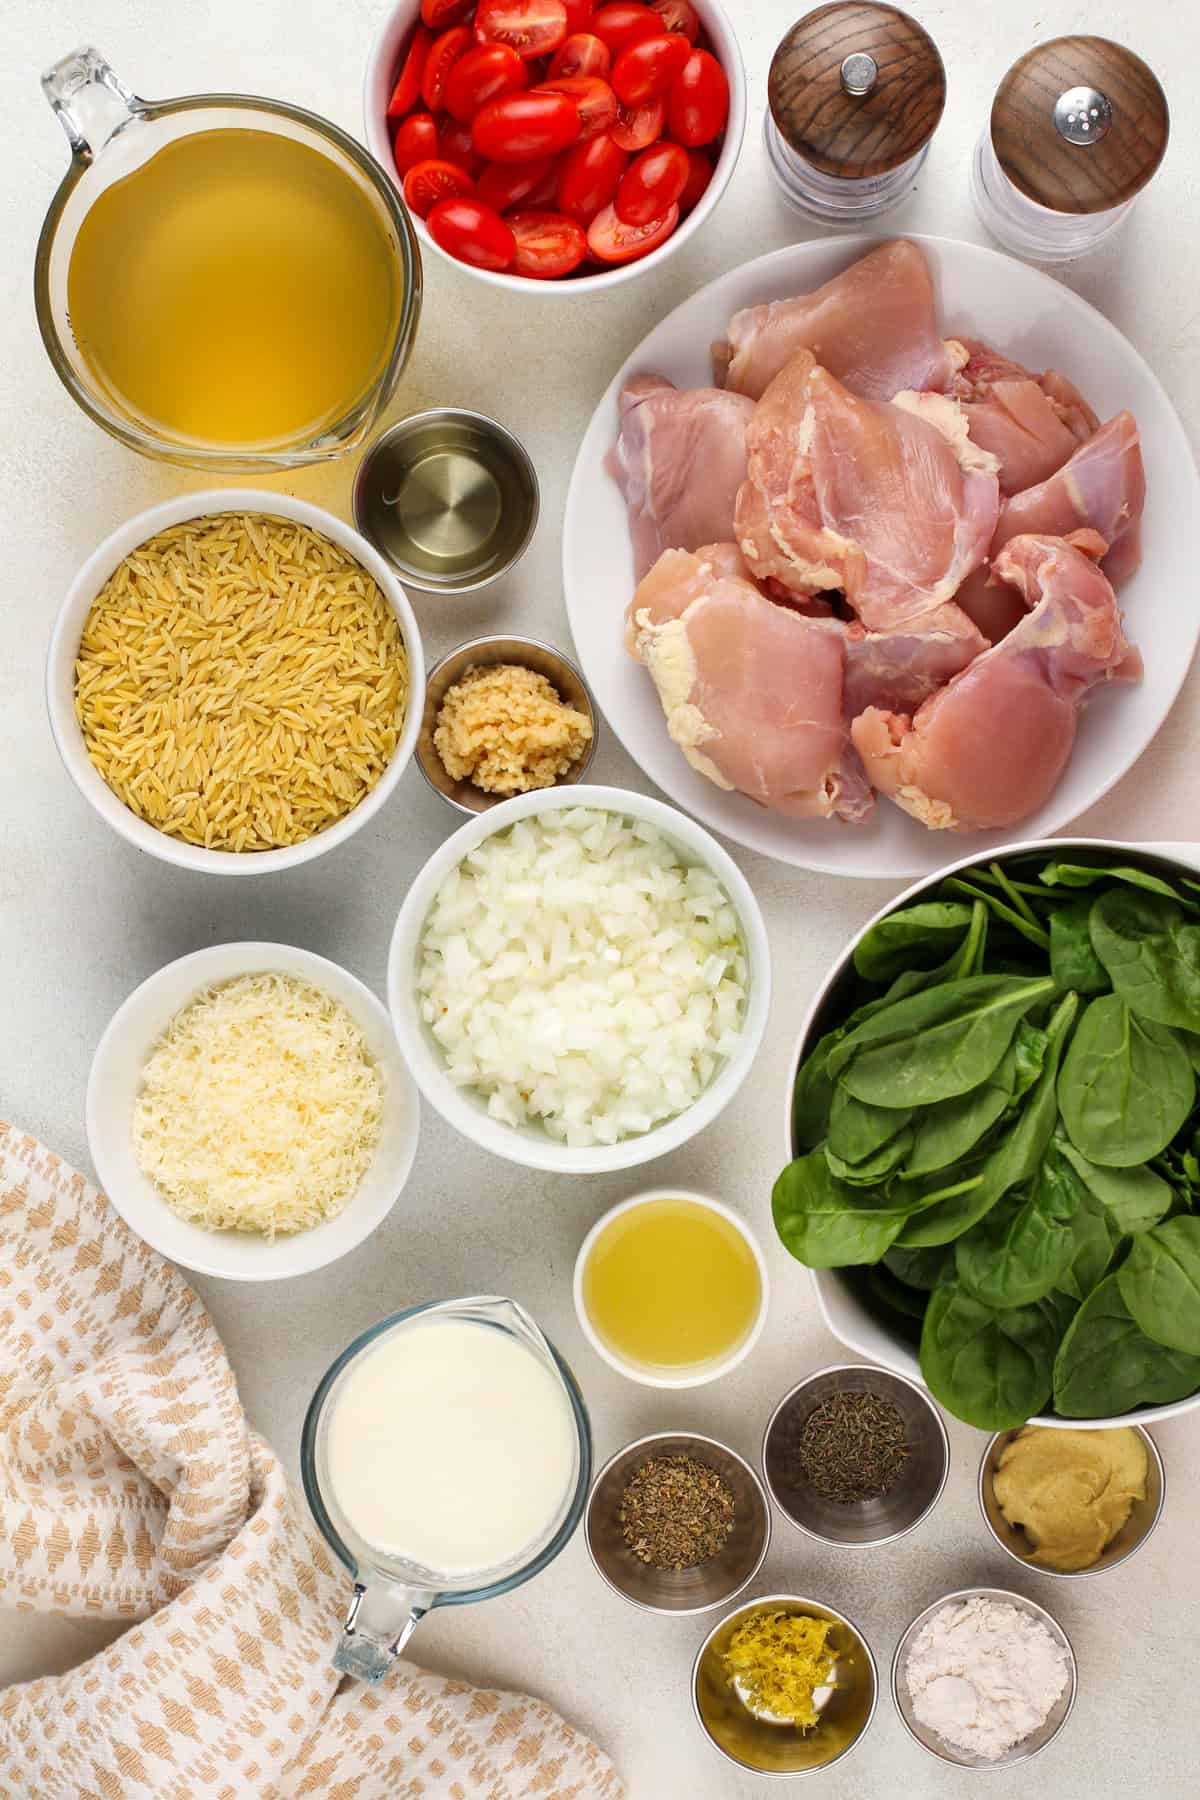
[848,493]
[898,670]
[679,461]
[875,327]
[1030,423]
[990,747]
[752,691]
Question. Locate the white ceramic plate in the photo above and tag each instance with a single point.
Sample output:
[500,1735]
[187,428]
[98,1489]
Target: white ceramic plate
[1027,315]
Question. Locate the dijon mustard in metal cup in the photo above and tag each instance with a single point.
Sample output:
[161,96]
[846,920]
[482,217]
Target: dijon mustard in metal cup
[1144,1514]
[449,497]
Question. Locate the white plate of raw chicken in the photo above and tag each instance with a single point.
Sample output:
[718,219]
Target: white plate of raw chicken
[983,734]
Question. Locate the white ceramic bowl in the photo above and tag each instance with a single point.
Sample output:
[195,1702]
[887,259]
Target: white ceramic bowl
[112,1089]
[692,1374]
[381,78]
[467,1111]
[1027,314]
[850,1321]
[64,647]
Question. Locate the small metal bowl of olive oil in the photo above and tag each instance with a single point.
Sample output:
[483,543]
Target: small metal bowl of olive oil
[449,497]
[762,1741]
[707,1584]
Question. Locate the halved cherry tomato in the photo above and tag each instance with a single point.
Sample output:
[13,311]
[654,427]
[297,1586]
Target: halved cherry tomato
[416,141]
[638,127]
[578,14]
[524,127]
[482,74]
[443,55]
[455,146]
[548,244]
[612,241]
[504,185]
[698,103]
[588,177]
[700,173]
[595,99]
[622,25]
[679,15]
[582,54]
[440,13]
[652,182]
[428,182]
[648,68]
[530,27]
[407,90]
[473,233]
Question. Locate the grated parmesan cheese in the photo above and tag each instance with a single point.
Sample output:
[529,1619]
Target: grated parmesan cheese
[260,1107]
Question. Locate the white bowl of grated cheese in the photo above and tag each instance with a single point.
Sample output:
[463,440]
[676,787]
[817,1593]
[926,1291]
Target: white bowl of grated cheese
[579,979]
[117,1085]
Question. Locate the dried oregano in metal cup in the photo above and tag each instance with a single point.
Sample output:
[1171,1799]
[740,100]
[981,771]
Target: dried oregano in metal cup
[676,1512]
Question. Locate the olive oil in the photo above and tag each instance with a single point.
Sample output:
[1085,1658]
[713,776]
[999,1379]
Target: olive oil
[671,1284]
[238,289]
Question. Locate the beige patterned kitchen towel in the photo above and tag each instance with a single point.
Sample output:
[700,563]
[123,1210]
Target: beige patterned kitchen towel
[132,1487]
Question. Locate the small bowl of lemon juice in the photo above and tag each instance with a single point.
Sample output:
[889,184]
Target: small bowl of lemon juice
[671,1288]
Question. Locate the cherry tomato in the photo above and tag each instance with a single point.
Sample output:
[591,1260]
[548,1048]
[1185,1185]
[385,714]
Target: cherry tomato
[480,75]
[428,182]
[455,146]
[416,141]
[548,244]
[530,27]
[622,25]
[440,13]
[443,55]
[612,241]
[639,126]
[578,14]
[542,198]
[473,233]
[651,183]
[582,54]
[407,90]
[700,173]
[504,185]
[648,68]
[524,127]
[698,103]
[594,98]
[588,177]
[679,15]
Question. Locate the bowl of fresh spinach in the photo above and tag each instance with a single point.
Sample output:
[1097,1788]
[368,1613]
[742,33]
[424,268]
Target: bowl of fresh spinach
[994,1132]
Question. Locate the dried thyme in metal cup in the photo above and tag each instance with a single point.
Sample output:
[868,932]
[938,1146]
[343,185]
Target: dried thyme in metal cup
[853,1446]
[676,1513]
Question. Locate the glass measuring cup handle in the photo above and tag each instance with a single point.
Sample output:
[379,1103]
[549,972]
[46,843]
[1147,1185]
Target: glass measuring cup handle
[89,99]
[381,1619]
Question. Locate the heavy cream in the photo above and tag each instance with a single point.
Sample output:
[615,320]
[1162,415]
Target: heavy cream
[451,1445]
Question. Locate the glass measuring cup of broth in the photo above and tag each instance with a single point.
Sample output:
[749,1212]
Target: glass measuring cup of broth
[221,281]
[446,1457]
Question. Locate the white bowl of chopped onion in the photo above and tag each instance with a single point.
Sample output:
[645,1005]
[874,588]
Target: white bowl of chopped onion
[262,1085]
[580,979]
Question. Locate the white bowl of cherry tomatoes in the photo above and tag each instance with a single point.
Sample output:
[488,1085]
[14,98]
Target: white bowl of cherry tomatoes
[566,143]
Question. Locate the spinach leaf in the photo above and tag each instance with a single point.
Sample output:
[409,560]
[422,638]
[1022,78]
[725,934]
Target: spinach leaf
[1134,1198]
[812,1096]
[1191,1043]
[857,1129]
[874,1171]
[1029,1048]
[1106,1365]
[1073,962]
[1160,1284]
[1080,875]
[991,1366]
[934,1044]
[896,1294]
[918,1268]
[1026,925]
[945,1133]
[1126,1085]
[1095,1233]
[917,935]
[1022,1248]
[1152,955]
[824,1222]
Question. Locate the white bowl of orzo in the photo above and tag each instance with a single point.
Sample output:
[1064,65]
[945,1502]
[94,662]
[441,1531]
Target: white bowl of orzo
[230,681]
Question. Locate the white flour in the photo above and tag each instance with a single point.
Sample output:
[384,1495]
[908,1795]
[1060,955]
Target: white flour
[983,1675]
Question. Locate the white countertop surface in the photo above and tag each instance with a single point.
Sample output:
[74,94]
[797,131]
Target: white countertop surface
[84,917]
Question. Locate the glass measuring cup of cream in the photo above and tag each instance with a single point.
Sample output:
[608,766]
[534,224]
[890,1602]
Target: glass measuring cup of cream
[446,1457]
[221,281]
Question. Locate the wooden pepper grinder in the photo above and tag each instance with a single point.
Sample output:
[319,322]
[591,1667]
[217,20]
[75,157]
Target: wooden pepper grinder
[1078,127]
[855,94]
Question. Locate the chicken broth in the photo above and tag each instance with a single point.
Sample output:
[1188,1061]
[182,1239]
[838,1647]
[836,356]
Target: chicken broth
[238,289]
